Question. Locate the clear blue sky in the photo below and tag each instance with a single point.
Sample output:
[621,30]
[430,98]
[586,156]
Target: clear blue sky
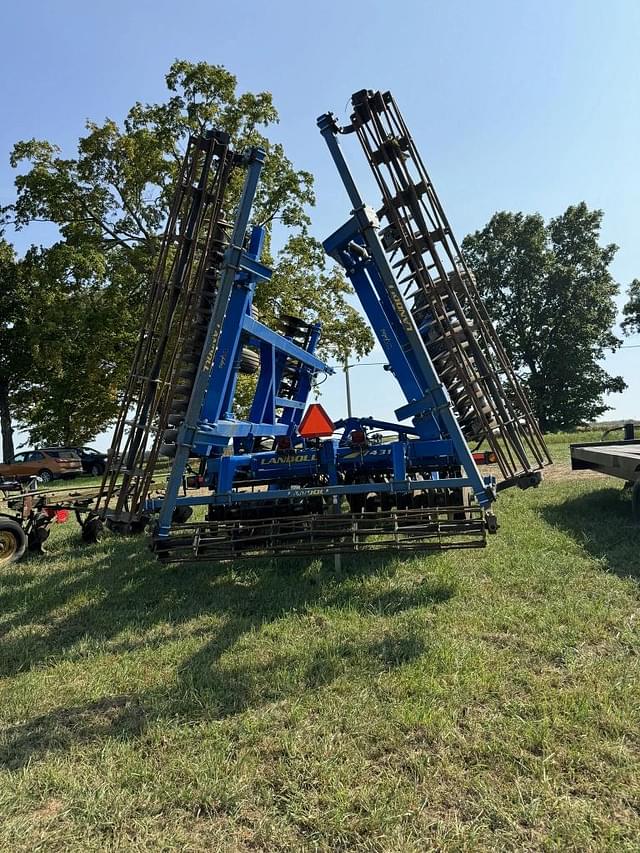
[530,105]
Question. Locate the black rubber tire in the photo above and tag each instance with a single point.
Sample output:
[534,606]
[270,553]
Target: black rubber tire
[13,541]
[181,514]
[635,502]
[249,361]
[92,530]
[97,469]
[139,525]
[45,475]
[357,502]
[37,538]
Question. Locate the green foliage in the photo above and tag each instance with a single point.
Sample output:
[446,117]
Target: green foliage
[549,291]
[631,311]
[110,203]
[15,358]
[304,284]
[75,310]
[10,311]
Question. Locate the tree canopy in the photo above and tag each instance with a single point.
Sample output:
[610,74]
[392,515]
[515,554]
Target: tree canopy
[551,295]
[110,202]
[631,311]
[14,340]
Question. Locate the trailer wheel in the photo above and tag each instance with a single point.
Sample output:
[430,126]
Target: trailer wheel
[635,502]
[13,541]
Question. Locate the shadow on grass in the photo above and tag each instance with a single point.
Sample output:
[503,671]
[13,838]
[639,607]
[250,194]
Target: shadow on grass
[600,521]
[113,716]
[126,588]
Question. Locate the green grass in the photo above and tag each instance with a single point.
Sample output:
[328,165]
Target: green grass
[558,442]
[467,701]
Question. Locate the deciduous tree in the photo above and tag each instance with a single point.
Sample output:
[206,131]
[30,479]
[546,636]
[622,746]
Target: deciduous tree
[14,340]
[82,335]
[550,292]
[631,311]
[110,201]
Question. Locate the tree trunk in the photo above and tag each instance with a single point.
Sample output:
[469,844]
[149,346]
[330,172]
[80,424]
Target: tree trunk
[5,423]
[67,428]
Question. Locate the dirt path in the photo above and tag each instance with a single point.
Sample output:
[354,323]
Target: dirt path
[562,471]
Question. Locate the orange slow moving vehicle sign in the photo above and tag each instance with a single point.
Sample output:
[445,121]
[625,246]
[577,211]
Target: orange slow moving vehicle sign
[316,423]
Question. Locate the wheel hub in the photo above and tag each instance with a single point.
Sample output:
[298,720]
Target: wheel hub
[8,545]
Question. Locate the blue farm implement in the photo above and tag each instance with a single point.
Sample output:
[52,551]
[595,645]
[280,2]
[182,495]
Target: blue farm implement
[270,481]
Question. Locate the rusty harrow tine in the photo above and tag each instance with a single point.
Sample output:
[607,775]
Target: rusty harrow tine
[183,259]
[417,224]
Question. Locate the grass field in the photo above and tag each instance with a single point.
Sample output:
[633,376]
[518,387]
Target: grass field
[470,701]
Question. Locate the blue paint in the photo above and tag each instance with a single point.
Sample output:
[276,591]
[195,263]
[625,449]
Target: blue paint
[430,454]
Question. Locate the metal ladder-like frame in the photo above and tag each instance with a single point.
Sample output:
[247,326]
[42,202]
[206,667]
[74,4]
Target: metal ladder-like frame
[439,290]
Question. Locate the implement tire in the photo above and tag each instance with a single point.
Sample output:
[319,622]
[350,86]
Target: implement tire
[13,541]
[92,530]
[635,502]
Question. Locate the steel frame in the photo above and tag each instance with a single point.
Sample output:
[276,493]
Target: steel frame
[615,459]
[438,289]
[289,499]
[357,247]
[188,257]
[430,461]
[209,423]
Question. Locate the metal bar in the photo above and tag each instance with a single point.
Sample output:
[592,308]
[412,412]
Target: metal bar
[418,239]
[264,333]
[233,259]
[268,496]
[382,301]
[329,533]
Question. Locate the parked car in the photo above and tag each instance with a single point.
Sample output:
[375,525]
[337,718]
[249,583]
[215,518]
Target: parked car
[48,464]
[93,461]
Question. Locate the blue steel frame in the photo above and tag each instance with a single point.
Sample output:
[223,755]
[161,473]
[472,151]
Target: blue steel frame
[280,470]
[433,444]
[209,423]
[357,247]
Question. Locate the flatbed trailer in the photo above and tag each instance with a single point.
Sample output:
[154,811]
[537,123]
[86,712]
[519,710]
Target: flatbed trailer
[614,458]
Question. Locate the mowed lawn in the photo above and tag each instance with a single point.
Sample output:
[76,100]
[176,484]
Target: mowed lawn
[481,700]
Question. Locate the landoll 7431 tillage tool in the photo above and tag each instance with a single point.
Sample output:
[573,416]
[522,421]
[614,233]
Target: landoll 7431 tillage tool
[271,481]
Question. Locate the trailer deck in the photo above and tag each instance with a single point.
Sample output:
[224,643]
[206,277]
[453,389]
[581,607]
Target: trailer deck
[616,459]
